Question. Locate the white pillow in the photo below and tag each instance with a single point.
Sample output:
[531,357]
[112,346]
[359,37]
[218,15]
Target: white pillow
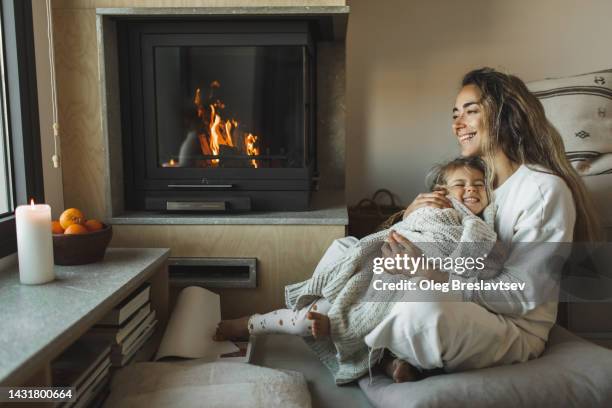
[580,107]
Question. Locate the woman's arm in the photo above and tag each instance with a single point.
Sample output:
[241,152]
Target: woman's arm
[533,265]
[436,199]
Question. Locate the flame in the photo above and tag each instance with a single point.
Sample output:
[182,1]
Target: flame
[220,131]
[171,163]
[250,141]
[32,202]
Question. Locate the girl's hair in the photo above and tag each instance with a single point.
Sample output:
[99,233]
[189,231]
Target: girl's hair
[517,125]
[437,177]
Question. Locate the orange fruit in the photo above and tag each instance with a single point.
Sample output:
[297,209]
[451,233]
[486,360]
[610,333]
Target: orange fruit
[56,227]
[93,225]
[76,229]
[71,216]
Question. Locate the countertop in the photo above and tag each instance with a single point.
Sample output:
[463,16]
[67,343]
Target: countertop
[35,320]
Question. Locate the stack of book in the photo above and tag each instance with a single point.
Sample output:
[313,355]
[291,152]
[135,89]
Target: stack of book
[85,366]
[128,326]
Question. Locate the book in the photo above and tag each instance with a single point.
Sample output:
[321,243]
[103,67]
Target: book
[122,359]
[79,362]
[97,385]
[104,367]
[127,343]
[127,307]
[191,327]
[117,334]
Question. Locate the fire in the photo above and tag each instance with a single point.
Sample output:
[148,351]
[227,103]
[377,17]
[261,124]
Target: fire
[171,163]
[250,141]
[221,132]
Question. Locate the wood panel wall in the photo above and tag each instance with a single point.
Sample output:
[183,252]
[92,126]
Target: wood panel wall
[285,254]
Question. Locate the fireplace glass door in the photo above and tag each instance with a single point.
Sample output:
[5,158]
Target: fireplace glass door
[217,111]
[229,107]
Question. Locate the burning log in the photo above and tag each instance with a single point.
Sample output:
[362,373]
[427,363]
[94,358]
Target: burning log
[219,136]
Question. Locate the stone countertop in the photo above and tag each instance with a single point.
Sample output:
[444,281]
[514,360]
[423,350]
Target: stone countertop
[35,319]
[328,208]
[250,10]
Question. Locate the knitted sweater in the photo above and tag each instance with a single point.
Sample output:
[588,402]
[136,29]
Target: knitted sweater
[345,282]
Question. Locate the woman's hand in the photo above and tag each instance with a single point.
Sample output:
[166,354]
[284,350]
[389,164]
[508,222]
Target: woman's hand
[399,245]
[436,199]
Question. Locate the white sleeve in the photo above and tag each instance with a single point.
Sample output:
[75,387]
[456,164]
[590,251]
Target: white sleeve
[540,246]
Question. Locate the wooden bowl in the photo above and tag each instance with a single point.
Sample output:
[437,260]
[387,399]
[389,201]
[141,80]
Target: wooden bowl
[81,249]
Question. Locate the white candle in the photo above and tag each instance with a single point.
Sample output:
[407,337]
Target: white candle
[34,243]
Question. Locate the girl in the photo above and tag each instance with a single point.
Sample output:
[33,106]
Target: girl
[329,306]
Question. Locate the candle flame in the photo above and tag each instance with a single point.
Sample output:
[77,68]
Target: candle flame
[32,202]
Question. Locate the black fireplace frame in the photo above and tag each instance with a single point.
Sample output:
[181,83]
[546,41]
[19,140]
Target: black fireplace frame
[210,189]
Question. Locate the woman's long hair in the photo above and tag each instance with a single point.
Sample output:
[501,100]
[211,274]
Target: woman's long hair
[518,126]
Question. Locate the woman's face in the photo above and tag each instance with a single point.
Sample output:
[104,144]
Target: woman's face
[468,121]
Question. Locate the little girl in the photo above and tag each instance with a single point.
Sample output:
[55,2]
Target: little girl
[329,309]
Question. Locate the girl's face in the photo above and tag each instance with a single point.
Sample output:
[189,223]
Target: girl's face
[467,185]
[468,121]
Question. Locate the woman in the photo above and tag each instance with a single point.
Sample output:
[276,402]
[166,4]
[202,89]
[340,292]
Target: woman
[541,203]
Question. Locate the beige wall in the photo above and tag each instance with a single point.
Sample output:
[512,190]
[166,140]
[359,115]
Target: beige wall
[405,60]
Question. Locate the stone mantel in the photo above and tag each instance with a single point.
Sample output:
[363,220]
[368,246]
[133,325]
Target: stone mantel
[333,18]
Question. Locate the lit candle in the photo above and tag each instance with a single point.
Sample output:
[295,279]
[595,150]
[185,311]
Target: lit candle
[34,243]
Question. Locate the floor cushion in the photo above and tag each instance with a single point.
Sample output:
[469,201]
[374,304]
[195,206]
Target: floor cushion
[571,372]
[197,384]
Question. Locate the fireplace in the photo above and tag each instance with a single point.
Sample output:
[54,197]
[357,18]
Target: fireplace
[217,115]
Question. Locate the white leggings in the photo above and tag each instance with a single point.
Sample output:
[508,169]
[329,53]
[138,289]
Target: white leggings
[287,321]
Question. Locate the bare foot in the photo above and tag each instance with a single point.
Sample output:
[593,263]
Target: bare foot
[399,370]
[320,325]
[404,372]
[235,329]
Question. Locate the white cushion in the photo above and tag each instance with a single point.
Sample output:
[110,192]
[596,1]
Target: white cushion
[580,107]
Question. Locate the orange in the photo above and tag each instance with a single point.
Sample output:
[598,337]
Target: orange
[56,227]
[71,216]
[76,229]
[93,225]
